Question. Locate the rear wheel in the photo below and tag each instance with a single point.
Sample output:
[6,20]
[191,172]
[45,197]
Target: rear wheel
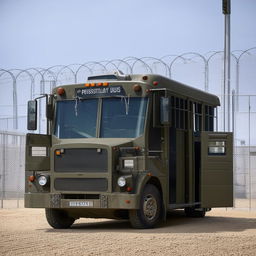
[149,213]
[58,219]
[195,213]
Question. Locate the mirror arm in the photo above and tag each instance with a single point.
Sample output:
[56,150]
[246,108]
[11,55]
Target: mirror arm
[42,96]
[46,96]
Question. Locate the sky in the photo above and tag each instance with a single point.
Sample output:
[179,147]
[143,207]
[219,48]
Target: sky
[42,33]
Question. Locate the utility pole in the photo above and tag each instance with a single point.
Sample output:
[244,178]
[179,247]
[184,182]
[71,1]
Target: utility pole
[226,10]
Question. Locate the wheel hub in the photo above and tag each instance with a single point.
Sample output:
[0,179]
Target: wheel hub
[150,207]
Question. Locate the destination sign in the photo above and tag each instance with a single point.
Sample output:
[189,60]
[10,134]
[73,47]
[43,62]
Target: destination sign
[100,92]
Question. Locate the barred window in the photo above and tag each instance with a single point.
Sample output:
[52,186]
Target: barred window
[209,117]
[179,113]
[197,116]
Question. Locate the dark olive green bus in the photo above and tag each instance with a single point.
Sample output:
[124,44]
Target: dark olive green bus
[127,147]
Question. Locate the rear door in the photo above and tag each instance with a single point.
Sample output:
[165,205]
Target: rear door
[216,169]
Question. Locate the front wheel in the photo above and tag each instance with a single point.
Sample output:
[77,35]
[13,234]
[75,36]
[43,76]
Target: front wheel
[149,213]
[58,219]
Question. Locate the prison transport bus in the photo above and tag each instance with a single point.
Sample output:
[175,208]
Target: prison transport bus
[127,146]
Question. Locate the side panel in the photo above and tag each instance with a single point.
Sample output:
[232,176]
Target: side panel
[37,152]
[181,164]
[172,165]
[216,169]
[177,166]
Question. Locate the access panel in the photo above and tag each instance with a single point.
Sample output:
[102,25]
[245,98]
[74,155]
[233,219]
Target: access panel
[37,152]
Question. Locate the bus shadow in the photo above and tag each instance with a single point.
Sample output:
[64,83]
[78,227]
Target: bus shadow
[176,222]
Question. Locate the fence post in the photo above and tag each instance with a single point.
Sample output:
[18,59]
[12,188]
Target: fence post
[233,130]
[4,166]
[19,170]
[1,175]
[249,148]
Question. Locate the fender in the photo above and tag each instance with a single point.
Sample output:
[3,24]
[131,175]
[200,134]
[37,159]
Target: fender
[143,179]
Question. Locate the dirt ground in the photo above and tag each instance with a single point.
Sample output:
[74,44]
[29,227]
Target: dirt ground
[221,232]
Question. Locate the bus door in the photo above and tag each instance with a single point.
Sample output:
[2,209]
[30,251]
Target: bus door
[216,169]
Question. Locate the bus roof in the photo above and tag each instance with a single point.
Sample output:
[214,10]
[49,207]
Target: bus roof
[163,83]
[181,89]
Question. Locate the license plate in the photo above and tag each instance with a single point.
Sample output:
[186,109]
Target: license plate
[81,204]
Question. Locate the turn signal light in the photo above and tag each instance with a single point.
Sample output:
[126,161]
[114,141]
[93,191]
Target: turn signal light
[61,91]
[137,88]
[31,178]
[57,152]
[128,189]
[96,84]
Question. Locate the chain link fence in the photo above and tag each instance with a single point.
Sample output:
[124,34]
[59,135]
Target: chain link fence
[12,155]
[244,123]
[12,169]
[204,72]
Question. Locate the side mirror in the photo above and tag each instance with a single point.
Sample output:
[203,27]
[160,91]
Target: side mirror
[165,106]
[32,115]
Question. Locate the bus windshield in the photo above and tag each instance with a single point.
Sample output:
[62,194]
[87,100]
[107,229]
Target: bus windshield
[120,117]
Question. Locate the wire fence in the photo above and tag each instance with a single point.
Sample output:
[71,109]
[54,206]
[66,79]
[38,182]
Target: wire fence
[201,71]
[12,168]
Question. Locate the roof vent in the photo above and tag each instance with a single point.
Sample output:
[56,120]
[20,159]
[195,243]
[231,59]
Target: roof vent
[115,75]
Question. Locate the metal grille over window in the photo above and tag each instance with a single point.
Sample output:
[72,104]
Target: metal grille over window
[197,113]
[179,113]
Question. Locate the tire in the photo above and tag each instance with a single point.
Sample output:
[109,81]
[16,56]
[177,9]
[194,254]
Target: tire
[194,213]
[58,219]
[150,211]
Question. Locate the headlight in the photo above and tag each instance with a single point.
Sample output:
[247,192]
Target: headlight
[42,180]
[121,181]
[128,163]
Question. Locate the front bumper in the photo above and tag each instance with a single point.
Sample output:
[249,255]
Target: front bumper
[105,201]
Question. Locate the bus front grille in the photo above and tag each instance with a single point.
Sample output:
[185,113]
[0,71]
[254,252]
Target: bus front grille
[81,160]
[81,184]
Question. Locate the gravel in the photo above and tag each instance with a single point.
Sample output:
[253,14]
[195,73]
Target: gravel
[221,232]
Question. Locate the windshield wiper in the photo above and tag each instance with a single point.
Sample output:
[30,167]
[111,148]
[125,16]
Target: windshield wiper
[76,105]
